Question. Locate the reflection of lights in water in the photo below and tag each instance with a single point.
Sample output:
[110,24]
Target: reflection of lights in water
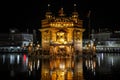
[86,63]
[112,61]
[25,62]
[102,56]
[3,58]
[38,63]
[18,59]
[12,59]
[90,64]
[30,66]
[94,63]
[24,57]
[98,61]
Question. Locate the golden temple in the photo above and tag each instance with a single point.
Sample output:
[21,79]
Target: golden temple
[62,34]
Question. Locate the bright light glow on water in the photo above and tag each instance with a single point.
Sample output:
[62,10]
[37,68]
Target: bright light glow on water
[12,59]
[102,56]
[18,59]
[112,61]
[98,61]
[38,64]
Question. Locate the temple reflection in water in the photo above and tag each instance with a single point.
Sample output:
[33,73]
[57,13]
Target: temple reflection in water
[58,68]
[62,34]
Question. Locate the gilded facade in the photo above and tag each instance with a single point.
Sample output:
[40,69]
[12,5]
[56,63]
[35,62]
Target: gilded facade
[62,34]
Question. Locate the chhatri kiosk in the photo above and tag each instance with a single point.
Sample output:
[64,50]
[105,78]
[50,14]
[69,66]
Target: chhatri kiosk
[62,34]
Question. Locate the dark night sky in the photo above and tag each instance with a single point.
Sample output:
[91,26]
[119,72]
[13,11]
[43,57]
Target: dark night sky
[24,14]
